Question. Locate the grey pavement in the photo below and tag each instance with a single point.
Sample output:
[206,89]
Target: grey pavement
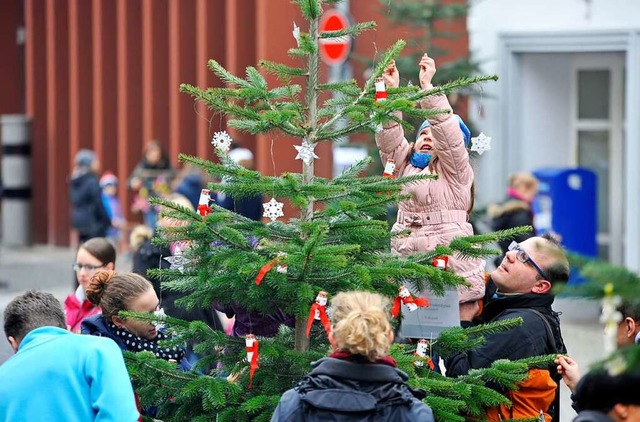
[49,269]
[44,268]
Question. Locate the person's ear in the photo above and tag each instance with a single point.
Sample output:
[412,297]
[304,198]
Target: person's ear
[630,327]
[14,343]
[541,287]
[110,266]
[620,410]
[117,321]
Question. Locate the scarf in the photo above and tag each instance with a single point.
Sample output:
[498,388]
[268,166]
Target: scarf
[514,194]
[420,159]
[139,344]
[342,355]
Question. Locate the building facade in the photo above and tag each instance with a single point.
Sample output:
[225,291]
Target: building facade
[568,96]
[105,75]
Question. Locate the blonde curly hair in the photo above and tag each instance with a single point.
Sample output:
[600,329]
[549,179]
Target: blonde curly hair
[360,324]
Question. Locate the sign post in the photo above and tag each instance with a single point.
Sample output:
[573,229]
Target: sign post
[334,51]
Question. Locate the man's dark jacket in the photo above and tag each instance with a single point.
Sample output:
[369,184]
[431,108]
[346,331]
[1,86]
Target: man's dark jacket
[527,340]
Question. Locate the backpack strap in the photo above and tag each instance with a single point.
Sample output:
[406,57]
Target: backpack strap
[551,341]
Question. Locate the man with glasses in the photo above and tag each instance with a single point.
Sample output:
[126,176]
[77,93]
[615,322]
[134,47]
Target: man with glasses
[521,287]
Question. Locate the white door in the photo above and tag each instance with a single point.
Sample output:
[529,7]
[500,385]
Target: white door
[597,135]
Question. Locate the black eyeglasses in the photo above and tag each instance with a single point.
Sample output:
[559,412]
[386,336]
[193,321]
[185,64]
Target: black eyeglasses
[78,267]
[523,256]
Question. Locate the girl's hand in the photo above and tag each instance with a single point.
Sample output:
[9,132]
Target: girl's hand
[391,75]
[427,70]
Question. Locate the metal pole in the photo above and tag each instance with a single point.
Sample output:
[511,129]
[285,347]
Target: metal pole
[15,135]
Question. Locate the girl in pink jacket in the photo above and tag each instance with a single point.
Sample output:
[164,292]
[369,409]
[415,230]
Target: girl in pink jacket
[438,210]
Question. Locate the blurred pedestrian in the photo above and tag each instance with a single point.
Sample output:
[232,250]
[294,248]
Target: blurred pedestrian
[250,206]
[109,186]
[56,375]
[151,177]
[88,214]
[92,255]
[515,210]
[147,256]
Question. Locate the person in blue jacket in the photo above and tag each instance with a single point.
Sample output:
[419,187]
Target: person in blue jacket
[57,375]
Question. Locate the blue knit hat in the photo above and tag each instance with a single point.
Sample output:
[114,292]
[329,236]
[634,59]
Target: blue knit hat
[423,126]
[466,133]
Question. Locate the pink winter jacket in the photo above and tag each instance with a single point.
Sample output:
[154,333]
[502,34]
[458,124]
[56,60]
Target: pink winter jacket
[437,210]
[76,312]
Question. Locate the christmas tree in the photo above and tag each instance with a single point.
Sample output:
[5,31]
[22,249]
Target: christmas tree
[338,241]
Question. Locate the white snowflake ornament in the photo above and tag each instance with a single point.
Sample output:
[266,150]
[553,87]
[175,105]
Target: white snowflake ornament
[481,143]
[221,140]
[296,33]
[177,261]
[305,152]
[273,209]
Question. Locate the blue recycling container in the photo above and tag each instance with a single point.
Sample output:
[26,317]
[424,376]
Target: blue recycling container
[567,205]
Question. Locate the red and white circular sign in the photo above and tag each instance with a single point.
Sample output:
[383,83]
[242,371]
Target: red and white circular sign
[334,51]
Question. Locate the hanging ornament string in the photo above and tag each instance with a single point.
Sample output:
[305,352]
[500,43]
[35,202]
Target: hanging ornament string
[273,209]
[405,297]
[318,312]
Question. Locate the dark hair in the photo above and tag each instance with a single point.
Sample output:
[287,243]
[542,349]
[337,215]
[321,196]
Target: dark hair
[629,310]
[558,271]
[601,391]
[101,249]
[114,291]
[32,310]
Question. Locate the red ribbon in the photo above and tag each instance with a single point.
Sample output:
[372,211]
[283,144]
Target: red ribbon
[253,365]
[265,269]
[418,301]
[204,210]
[324,318]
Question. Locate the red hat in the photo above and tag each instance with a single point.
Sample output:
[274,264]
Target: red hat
[108,178]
